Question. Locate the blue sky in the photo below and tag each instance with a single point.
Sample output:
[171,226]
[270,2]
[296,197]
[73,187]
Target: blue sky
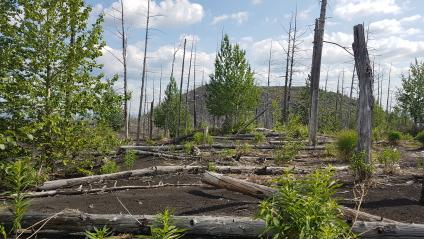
[396,37]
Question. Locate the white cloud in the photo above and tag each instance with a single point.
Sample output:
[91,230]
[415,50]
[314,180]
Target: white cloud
[412,18]
[348,9]
[166,12]
[239,17]
[256,2]
[392,27]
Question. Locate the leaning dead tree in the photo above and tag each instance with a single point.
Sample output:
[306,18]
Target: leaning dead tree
[366,98]
[143,75]
[315,73]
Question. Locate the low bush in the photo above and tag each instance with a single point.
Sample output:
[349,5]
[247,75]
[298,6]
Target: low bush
[258,137]
[109,166]
[164,227]
[420,137]
[393,137]
[389,157]
[212,167]
[188,147]
[200,138]
[330,150]
[294,129]
[129,159]
[97,233]
[346,143]
[228,153]
[361,170]
[304,208]
[287,152]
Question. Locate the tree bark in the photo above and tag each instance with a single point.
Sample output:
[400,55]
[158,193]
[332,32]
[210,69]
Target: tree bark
[181,90]
[284,111]
[315,73]
[366,98]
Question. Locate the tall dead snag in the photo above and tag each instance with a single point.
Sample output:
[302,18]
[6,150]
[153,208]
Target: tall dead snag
[388,90]
[315,73]
[293,49]
[366,98]
[267,117]
[194,89]
[124,62]
[151,120]
[349,109]
[284,113]
[188,83]
[143,75]
[181,90]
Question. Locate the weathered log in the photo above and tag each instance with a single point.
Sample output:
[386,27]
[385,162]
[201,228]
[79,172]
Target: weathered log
[262,192]
[213,146]
[162,155]
[74,223]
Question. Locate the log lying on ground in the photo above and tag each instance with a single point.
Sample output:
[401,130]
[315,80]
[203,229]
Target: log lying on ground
[160,170]
[213,146]
[73,222]
[163,155]
[262,192]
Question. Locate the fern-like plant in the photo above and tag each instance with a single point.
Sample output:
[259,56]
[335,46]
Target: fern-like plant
[164,228]
[97,233]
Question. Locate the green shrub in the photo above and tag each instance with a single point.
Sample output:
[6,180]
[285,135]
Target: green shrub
[228,153]
[259,137]
[420,137]
[393,137]
[3,232]
[304,208]
[294,128]
[188,146]
[243,149]
[362,171]
[330,150]
[212,167]
[129,159]
[389,157]
[406,136]
[200,138]
[164,228]
[287,152]
[346,143]
[98,233]
[109,166]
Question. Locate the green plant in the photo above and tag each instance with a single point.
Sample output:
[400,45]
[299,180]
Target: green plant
[3,232]
[243,149]
[200,138]
[129,158]
[294,129]
[101,233]
[109,166]
[211,166]
[287,152]
[393,137]
[346,143]
[18,177]
[228,153]
[258,137]
[164,228]
[330,150]
[304,208]
[389,157]
[420,137]
[362,171]
[188,146]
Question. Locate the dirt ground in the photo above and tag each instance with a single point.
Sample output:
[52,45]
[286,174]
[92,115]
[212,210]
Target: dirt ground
[391,196]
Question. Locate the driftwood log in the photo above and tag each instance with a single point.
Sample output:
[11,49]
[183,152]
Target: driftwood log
[73,223]
[262,192]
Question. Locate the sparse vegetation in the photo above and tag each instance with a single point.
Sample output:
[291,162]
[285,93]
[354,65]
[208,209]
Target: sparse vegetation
[258,137]
[97,233]
[164,227]
[360,169]
[393,137]
[389,157]
[109,166]
[129,159]
[200,138]
[287,152]
[420,137]
[345,143]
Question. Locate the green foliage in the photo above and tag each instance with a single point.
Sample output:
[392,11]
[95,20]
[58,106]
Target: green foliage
[17,177]
[394,137]
[330,150]
[200,138]
[101,233]
[188,147]
[243,149]
[420,137]
[287,152]
[129,158]
[3,232]
[362,171]
[166,114]
[259,137]
[211,166]
[346,143]
[49,83]
[389,157]
[164,228]
[109,166]
[228,153]
[231,92]
[304,208]
[294,128]
[410,96]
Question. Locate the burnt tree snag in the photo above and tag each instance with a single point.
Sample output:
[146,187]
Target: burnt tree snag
[315,73]
[366,98]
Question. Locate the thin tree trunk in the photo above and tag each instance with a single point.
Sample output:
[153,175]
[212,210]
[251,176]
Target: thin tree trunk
[341,100]
[124,62]
[284,113]
[326,81]
[337,99]
[315,73]
[366,98]
[144,111]
[267,123]
[181,90]
[151,120]
[194,89]
[350,96]
[143,75]
[293,49]
[188,85]
[160,85]
[388,90]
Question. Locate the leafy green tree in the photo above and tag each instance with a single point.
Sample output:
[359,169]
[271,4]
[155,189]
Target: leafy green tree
[48,81]
[411,96]
[166,115]
[232,92]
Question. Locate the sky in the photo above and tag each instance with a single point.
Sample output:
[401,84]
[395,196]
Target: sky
[396,38]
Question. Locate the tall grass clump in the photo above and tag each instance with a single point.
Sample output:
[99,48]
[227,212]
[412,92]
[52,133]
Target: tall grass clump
[346,143]
[200,138]
[420,137]
[304,208]
[393,137]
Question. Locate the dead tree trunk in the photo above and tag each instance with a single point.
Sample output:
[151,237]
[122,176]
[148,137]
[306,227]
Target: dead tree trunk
[293,49]
[188,84]
[342,123]
[124,62]
[366,98]
[181,90]
[349,109]
[315,73]
[326,81]
[267,123]
[143,75]
[286,82]
[151,121]
[194,89]
[388,91]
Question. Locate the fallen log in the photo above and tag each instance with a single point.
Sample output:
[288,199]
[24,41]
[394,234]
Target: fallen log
[70,223]
[262,192]
[213,146]
[163,155]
